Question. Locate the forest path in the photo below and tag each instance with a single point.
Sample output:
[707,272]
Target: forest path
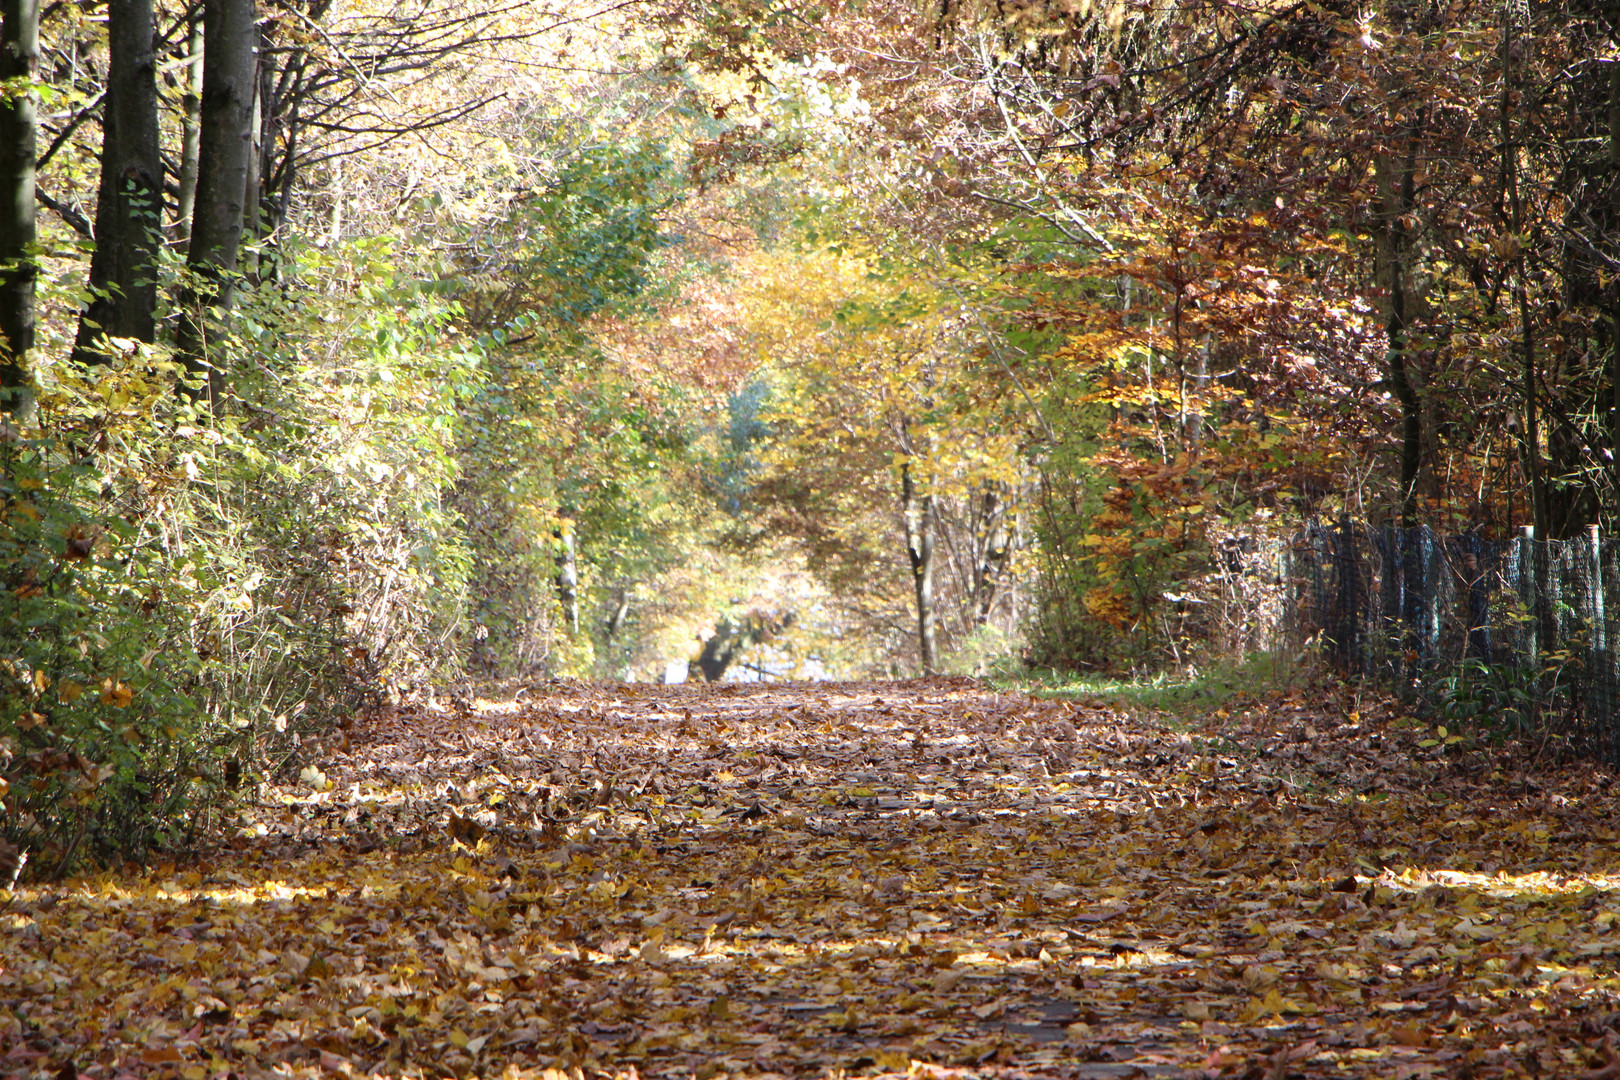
[878,878]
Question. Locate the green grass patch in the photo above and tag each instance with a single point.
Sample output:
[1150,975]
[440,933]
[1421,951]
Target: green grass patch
[1177,698]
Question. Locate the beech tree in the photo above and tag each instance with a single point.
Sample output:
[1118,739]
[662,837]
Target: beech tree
[19,264]
[225,143]
[129,202]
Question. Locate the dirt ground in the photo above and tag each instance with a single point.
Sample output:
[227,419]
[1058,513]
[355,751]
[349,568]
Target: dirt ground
[927,878]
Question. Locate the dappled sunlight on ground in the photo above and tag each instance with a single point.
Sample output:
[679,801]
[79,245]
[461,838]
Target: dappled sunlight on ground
[929,876]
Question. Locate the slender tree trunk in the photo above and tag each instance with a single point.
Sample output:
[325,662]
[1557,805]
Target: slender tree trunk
[334,220]
[621,611]
[1530,439]
[1398,196]
[191,128]
[250,188]
[224,145]
[129,202]
[285,177]
[1614,287]
[918,511]
[993,560]
[280,162]
[19,262]
[567,560]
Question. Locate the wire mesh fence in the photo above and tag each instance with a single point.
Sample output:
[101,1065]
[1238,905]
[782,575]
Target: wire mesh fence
[1521,635]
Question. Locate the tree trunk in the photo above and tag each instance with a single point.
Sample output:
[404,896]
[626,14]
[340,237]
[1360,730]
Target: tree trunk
[1397,196]
[568,576]
[621,611]
[918,511]
[993,555]
[19,263]
[129,202]
[224,144]
[250,189]
[1614,289]
[1530,435]
[283,93]
[191,128]
[732,638]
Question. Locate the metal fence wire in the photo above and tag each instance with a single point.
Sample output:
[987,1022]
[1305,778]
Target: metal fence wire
[1514,634]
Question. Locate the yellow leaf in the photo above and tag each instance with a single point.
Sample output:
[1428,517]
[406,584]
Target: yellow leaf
[116,694]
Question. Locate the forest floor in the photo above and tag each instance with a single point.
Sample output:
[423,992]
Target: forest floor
[925,879]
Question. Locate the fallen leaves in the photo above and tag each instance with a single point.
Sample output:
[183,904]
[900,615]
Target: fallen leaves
[928,878]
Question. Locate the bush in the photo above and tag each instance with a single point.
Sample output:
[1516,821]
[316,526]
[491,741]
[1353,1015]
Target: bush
[103,745]
[185,602]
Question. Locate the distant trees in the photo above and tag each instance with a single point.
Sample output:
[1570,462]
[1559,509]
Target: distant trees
[1312,257]
[885,462]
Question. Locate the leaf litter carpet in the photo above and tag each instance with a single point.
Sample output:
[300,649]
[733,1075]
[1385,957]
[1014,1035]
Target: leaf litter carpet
[926,878]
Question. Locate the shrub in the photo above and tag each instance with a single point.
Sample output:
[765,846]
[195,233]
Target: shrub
[185,602]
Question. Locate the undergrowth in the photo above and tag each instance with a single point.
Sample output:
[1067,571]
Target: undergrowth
[186,599]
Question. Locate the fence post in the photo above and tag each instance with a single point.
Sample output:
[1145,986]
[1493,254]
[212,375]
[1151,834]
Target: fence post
[1611,676]
[1479,599]
[1389,636]
[1346,619]
[1435,583]
[1597,695]
[1554,556]
[1599,644]
[1414,599]
[1528,595]
[1320,616]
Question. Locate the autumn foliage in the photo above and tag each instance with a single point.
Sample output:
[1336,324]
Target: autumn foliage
[892,879]
[562,349]
[961,338]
